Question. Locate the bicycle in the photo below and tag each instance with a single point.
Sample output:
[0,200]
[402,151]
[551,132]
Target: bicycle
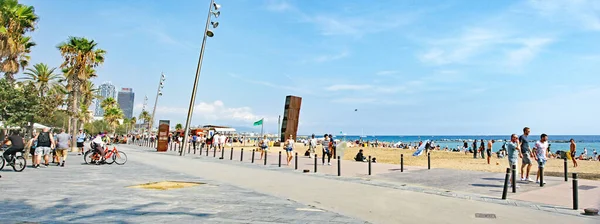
[18,162]
[110,156]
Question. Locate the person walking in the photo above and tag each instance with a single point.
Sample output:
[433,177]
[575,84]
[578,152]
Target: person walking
[80,140]
[513,149]
[62,147]
[264,146]
[312,145]
[540,150]
[45,142]
[482,149]
[194,140]
[474,149]
[326,150]
[526,152]
[289,149]
[573,151]
[489,150]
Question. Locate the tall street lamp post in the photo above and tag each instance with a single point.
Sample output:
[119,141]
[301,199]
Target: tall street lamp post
[161,84]
[213,10]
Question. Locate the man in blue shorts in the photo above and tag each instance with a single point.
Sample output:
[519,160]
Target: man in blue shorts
[513,150]
[526,152]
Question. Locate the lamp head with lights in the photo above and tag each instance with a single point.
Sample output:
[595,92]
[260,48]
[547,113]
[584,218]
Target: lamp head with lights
[210,33]
[216,6]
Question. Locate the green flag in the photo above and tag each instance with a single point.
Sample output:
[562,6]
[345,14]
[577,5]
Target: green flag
[258,122]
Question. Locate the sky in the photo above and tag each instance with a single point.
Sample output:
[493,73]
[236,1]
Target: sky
[385,67]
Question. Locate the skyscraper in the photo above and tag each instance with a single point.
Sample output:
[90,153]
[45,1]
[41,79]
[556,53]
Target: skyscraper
[106,90]
[126,100]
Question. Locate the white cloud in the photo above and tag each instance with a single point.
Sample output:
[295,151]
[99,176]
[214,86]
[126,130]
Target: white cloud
[475,42]
[528,51]
[216,111]
[342,87]
[581,13]
[458,50]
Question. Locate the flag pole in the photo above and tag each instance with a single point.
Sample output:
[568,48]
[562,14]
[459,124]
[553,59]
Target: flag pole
[262,125]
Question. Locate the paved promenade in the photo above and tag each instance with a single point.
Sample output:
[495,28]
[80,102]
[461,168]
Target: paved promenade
[556,194]
[365,198]
[241,192]
[80,193]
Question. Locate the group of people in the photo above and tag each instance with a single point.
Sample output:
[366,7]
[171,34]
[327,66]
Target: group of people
[43,145]
[217,140]
[56,145]
[518,147]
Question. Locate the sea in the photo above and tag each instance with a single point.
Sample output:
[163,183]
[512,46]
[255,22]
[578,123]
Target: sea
[557,142]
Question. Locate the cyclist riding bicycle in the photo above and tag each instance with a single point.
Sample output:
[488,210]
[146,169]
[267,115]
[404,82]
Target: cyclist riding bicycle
[17,144]
[98,145]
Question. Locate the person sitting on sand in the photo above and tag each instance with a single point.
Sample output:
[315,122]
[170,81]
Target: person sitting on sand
[360,157]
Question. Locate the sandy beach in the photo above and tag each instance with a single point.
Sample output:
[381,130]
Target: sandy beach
[460,161]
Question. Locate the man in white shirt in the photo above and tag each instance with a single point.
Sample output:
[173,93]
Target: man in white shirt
[312,144]
[222,141]
[216,140]
[99,145]
[540,150]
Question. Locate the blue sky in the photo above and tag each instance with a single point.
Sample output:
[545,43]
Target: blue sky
[409,67]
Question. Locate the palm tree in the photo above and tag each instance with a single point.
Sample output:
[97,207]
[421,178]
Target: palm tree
[81,57]
[145,117]
[109,103]
[178,126]
[112,115]
[42,76]
[132,122]
[15,20]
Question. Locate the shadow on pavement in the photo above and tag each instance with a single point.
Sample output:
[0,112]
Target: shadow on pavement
[15,211]
[486,185]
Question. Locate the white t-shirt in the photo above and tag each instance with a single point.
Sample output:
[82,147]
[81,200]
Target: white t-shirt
[313,142]
[289,143]
[541,149]
[98,141]
[216,139]
[222,139]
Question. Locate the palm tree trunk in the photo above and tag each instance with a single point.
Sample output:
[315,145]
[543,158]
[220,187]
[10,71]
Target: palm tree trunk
[74,119]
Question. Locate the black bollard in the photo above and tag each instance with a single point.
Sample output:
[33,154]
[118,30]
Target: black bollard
[428,161]
[565,164]
[215,152]
[505,189]
[231,154]
[513,180]
[339,166]
[242,155]
[315,162]
[253,155]
[541,176]
[575,192]
[401,163]
[207,148]
[265,157]
[296,161]
[279,158]
[369,165]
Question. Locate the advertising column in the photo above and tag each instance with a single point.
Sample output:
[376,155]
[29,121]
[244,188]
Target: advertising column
[163,136]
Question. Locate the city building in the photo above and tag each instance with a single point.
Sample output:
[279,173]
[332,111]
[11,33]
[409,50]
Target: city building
[126,101]
[105,90]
